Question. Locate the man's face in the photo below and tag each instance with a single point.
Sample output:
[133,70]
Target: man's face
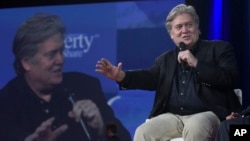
[184,30]
[45,68]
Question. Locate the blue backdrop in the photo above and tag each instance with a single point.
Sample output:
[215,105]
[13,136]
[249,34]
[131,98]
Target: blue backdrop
[128,32]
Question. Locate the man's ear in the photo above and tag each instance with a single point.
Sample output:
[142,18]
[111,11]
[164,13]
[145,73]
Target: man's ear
[26,64]
[171,36]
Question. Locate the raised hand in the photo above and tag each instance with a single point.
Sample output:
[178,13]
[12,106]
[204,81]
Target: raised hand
[104,67]
[44,132]
[188,57]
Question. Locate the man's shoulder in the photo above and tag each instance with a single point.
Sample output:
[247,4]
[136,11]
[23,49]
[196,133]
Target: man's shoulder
[213,42]
[78,77]
[168,54]
[12,84]
[12,87]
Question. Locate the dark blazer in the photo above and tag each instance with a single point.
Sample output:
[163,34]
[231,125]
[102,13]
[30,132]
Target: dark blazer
[216,74]
[22,112]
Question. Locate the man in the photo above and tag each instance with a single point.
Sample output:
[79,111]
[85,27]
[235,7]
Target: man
[194,83]
[44,104]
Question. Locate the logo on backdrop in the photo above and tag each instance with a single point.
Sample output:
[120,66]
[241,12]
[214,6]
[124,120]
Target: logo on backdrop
[76,45]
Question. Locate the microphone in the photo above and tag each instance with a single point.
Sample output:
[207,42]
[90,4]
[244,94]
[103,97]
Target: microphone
[182,47]
[86,132]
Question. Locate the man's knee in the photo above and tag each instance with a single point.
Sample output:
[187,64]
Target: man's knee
[201,127]
[142,129]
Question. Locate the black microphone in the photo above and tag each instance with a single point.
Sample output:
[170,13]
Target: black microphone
[182,47]
[86,132]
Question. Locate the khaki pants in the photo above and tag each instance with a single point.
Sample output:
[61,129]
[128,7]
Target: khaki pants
[196,127]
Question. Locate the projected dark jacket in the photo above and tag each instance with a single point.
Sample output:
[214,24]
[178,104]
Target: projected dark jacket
[216,75]
[22,111]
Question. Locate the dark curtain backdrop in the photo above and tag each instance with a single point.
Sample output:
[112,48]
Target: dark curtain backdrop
[235,28]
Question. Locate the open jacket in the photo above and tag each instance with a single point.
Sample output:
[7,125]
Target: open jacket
[216,74]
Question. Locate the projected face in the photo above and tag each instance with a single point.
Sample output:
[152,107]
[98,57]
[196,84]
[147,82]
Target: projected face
[184,30]
[45,69]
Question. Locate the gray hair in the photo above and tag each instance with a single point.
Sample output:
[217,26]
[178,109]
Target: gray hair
[31,33]
[179,9]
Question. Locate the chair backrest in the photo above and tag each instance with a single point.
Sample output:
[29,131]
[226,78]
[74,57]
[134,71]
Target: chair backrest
[238,93]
